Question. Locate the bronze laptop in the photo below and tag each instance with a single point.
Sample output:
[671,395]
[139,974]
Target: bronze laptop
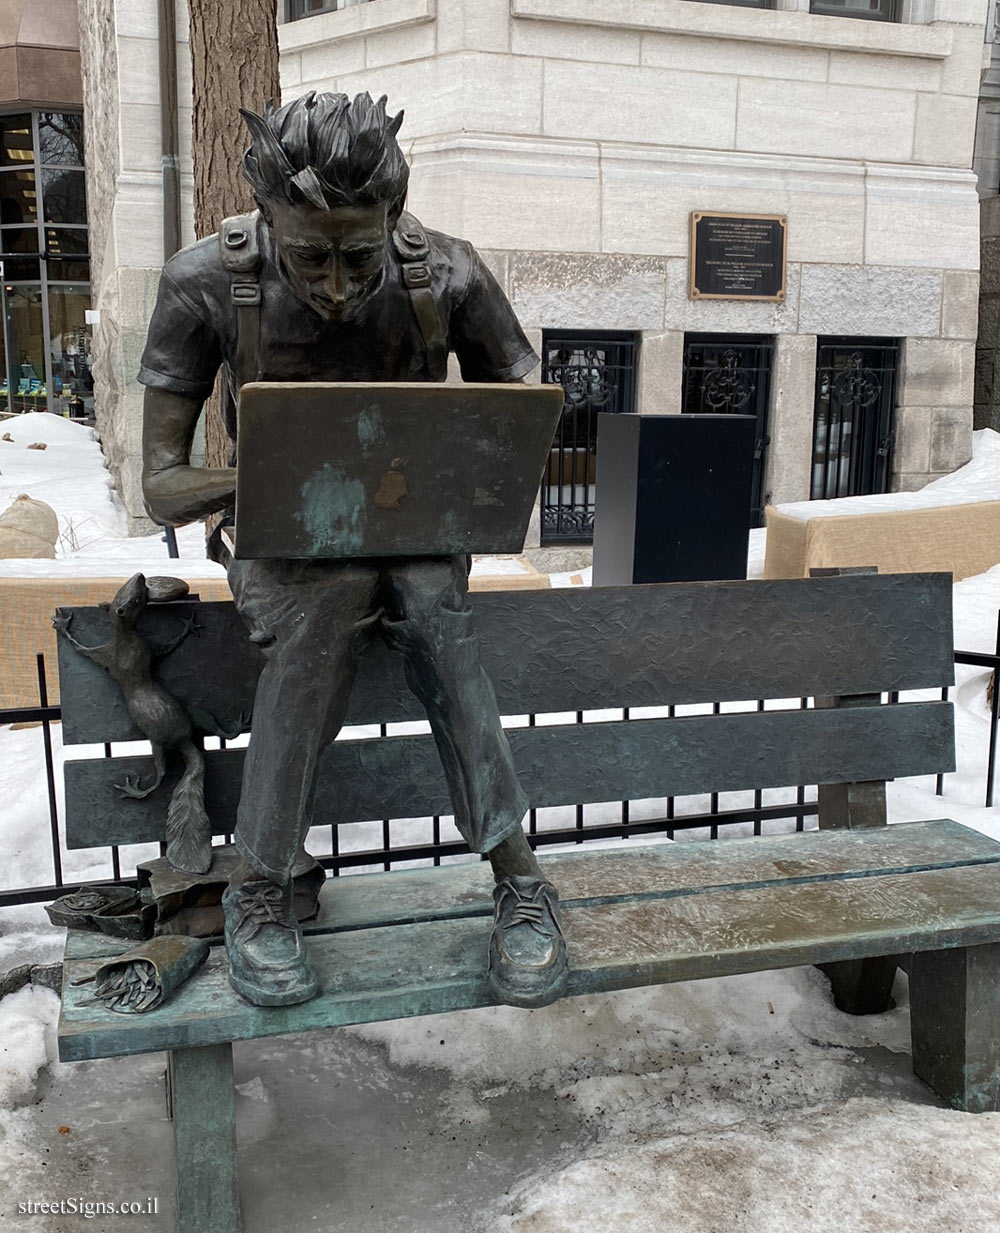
[357,470]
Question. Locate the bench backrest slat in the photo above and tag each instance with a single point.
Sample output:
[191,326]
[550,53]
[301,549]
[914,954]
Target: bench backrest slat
[582,649]
[557,765]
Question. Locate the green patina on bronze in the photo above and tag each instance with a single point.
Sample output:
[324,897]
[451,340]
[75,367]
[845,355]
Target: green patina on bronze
[559,764]
[416,949]
[370,430]
[583,648]
[332,509]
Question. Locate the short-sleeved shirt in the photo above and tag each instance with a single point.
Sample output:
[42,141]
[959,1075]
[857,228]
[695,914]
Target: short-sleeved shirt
[193,330]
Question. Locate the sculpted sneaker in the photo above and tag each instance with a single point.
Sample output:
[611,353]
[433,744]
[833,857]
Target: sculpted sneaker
[268,963]
[527,951]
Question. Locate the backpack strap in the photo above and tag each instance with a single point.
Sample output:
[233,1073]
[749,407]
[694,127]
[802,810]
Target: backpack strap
[412,249]
[239,250]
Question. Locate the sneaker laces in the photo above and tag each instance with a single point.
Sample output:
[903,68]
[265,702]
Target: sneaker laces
[528,913]
[264,905]
[531,912]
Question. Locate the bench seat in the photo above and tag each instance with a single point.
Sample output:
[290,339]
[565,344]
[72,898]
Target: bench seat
[399,944]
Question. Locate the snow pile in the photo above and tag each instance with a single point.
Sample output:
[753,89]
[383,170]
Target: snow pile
[976,603]
[978,480]
[114,556]
[745,1102]
[26,936]
[70,475]
[976,612]
[27,1043]
[865,1166]
[651,1057]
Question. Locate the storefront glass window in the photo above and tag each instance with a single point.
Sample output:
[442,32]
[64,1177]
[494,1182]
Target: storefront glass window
[18,196]
[26,389]
[69,337]
[67,253]
[16,146]
[44,250]
[64,195]
[60,138]
[13,242]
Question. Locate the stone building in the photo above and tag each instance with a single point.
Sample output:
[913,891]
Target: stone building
[136,164]
[986,164]
[44,270]
[573,141]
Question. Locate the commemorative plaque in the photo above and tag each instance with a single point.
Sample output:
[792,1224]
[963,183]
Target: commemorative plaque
[738,256]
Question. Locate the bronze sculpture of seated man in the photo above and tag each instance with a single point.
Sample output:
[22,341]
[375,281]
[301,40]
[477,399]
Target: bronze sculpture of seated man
[331,281]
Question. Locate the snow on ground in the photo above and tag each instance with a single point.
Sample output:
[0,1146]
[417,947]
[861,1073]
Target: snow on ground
[978,480]
[747,1103]
[70,475]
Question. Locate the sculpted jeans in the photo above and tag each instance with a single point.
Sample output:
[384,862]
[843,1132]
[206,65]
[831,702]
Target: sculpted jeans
[314,620]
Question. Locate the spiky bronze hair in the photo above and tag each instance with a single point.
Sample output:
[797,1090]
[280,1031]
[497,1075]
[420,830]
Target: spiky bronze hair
[328,150]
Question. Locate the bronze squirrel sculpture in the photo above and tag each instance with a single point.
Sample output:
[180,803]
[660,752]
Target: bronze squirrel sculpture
[158,715]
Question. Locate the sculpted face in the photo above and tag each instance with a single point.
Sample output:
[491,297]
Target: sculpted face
[332,259]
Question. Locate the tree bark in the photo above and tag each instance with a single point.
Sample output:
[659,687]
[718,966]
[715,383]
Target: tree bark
[234,59]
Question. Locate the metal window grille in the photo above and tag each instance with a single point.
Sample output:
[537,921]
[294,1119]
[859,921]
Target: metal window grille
[297,9]
[730,374]
[598,373]
[867,10]
[854,421]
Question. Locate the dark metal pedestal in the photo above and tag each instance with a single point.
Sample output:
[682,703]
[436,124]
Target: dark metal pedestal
[673,498]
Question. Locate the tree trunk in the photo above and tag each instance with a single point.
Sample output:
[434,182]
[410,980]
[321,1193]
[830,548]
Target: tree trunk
[234,59]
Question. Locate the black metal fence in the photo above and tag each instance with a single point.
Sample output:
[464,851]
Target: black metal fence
[791,806]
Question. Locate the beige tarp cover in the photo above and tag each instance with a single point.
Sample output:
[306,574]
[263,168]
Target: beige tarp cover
[27,605]
[963,539]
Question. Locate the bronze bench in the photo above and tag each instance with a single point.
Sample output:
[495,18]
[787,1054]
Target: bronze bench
[857,897]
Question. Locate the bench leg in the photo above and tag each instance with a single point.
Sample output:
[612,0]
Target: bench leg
[204,1112]
[955,1024]
[861,986]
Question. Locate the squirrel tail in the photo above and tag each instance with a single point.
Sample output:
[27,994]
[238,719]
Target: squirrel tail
[189,832]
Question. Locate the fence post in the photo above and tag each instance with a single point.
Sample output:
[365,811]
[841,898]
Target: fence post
[991,759]
[43,700]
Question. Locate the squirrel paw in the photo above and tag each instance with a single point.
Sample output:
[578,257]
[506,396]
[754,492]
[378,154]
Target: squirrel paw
[131,786]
